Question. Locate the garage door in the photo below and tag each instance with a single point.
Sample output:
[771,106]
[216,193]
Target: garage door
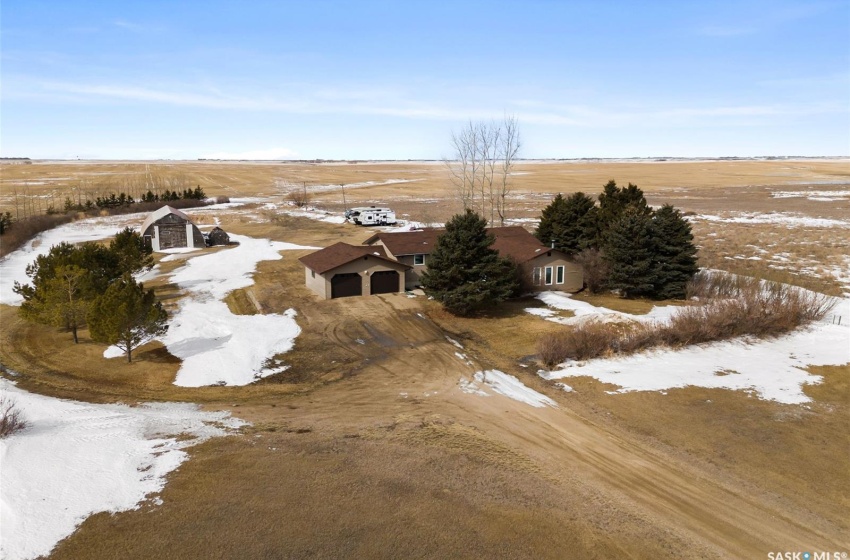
[345,285]
[385,282]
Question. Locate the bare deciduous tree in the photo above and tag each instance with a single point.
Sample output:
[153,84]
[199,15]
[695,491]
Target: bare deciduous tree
[509,146]
[484,155]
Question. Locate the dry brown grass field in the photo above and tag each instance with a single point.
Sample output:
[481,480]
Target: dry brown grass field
[370,450]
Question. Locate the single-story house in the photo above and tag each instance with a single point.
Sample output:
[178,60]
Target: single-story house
[343,270]
[169,228]
[545,268]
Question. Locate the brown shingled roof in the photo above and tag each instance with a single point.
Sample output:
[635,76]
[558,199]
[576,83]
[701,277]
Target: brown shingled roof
[339,254]
[511,241]
[409,242]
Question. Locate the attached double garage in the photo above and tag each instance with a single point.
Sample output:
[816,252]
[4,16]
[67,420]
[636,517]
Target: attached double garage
[343,270]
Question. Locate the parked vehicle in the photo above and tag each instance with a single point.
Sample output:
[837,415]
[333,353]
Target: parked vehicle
[370,216]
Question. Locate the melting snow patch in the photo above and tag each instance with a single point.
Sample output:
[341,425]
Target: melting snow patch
[583,311]
[76,459]
[455,342]
[511,387]
[463,358]
[773,369]
[783,218]
[564,386]
[471,387]
[314,214]
[216,346]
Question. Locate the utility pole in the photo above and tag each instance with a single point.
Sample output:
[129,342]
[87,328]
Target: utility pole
[342,186]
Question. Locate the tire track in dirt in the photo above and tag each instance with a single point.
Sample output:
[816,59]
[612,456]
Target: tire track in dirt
[405,352]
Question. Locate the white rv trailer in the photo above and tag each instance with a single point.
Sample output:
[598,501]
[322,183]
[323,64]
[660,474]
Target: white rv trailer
[371,216]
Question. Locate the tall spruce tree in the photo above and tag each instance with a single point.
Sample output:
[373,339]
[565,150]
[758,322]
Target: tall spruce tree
[675,253]
[465,273]
[550,218]
[132,252]
[569,223]
[127,316]
[629,249]
[613,201]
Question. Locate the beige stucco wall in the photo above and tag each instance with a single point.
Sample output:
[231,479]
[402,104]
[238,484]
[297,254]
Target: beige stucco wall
[573,273]
[413,277]
[321,284]
[316,282]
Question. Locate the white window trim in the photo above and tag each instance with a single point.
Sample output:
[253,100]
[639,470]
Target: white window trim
[420,256]
[559,274]
[548,276]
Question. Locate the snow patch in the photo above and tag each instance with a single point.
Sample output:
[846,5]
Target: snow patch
[772,369]
[583,311]
[471,387]
[454,342]
[787,219]
[513,388]
[218,347]
[76,459]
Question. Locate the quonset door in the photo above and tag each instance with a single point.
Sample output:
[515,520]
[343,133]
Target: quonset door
[172,235]
[384,282]
[346,285]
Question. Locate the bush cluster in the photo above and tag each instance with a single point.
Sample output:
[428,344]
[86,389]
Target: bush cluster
[739,306]
[11,420]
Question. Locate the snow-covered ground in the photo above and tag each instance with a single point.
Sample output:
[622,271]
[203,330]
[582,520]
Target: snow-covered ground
[76,459]
[13,266]
[788,219]
[506,385]
[217,346]
[583,311]
[773,369]
[822,196]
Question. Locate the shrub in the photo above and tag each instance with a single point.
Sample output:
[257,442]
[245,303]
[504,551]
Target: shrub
[739,306]
[588,340]
[11,420]
[595,270]
[222,199]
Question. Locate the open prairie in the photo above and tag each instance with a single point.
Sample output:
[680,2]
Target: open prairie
[369,446]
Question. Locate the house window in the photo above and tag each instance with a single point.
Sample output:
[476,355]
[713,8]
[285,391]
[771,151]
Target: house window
[313,272]
[559,275]
[418,259]
[548,275]
[536,274]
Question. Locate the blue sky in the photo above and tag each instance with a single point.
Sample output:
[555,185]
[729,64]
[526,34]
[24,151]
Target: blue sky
[391,80]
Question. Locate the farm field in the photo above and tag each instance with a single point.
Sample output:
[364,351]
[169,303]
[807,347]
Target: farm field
[379,440]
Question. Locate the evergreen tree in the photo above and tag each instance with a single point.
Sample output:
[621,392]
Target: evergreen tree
[127,316]
[132,252]
[569,223]
[61,301]
[465,273]
[100,264]
[5,222]
[675,253]
[551,216]
[630,251]
[613,201]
